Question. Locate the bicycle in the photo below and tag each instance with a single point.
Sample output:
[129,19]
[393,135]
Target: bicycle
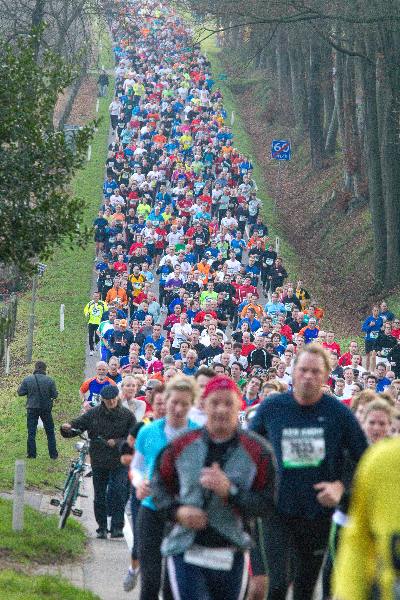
[73,482]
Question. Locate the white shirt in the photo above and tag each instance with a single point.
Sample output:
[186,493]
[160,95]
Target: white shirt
[233,266]
[181,333]
[173,238]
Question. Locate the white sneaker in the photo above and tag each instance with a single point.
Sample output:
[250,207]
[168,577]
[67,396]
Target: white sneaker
[130,580]
[91,353]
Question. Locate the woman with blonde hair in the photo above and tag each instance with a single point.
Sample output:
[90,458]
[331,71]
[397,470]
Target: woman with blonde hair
[127,396]
[180,394]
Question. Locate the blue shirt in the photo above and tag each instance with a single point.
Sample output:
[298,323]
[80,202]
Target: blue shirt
[150,441]
[382,383]
[372,331]
[157,343]
[254,325]
[309,444]
[274,307]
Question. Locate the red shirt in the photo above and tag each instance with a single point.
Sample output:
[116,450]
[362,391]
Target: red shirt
[254,402]
[334,347]
[162,236]
[345,360]
[134,246]
[287,332]
[120,267]
[247,348]
[243,290]
[199,318]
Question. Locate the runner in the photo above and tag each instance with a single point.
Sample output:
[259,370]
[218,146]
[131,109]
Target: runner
[93,312]
[202,484]
[176,193]
[368,558]
[180,394]
[302,427]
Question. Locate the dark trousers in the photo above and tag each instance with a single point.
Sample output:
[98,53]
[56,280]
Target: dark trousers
[116,480]
[302,540]
[93,337]
[135,507]
[114,121]
[150,528]
[33,415]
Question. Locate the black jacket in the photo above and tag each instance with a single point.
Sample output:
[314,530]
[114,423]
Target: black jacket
[40,391]
[110,425]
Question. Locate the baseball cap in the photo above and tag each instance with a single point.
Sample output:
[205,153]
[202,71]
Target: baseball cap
[152,383]
[109,392]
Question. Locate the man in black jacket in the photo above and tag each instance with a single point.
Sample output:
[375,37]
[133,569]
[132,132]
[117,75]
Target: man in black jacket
[108,425]
[40,391]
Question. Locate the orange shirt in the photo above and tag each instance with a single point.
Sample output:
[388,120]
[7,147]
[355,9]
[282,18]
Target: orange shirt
[204,269]
[113,293]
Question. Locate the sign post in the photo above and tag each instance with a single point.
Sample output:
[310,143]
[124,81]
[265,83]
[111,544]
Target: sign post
[19,490]
[62,312]
[29,346]
[280,150]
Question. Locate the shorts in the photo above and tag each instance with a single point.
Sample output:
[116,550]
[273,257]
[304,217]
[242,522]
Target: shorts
[370,345]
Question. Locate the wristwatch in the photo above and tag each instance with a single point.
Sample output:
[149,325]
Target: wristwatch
[233,492]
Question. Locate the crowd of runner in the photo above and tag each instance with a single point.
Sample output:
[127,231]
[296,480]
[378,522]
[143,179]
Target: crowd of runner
[195,319]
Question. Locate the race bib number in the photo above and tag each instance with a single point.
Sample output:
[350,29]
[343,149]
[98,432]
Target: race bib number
[373,335]
[218,559]
[288,306]
[95,311]
[242,417]
[302,447]
[269,261]
[95,400]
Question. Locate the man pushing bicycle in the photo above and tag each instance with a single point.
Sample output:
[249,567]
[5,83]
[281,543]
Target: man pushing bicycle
[108,425]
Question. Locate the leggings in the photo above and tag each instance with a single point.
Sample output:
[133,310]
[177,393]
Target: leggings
[150,528]
[303,540]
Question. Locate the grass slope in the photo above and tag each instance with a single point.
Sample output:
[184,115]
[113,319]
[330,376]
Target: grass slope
[16,586]
[40,541]
[67,281]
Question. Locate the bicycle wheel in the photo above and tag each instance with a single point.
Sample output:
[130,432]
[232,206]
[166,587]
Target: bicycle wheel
[69,501]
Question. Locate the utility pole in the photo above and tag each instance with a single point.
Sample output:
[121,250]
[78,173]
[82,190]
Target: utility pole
[29,346]
[31,326]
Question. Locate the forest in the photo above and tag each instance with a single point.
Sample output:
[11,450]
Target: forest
[336,73]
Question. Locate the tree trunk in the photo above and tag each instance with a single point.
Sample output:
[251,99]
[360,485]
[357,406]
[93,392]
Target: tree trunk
[315,105]
[390,150]
[282,61]
[298,82]
[331,136]
[375,191]
[352,150]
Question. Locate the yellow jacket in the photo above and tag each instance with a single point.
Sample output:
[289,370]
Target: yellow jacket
[369,552]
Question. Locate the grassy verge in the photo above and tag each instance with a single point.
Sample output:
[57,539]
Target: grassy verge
[67,281]
[243,141]
[16,586]
[40,541]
